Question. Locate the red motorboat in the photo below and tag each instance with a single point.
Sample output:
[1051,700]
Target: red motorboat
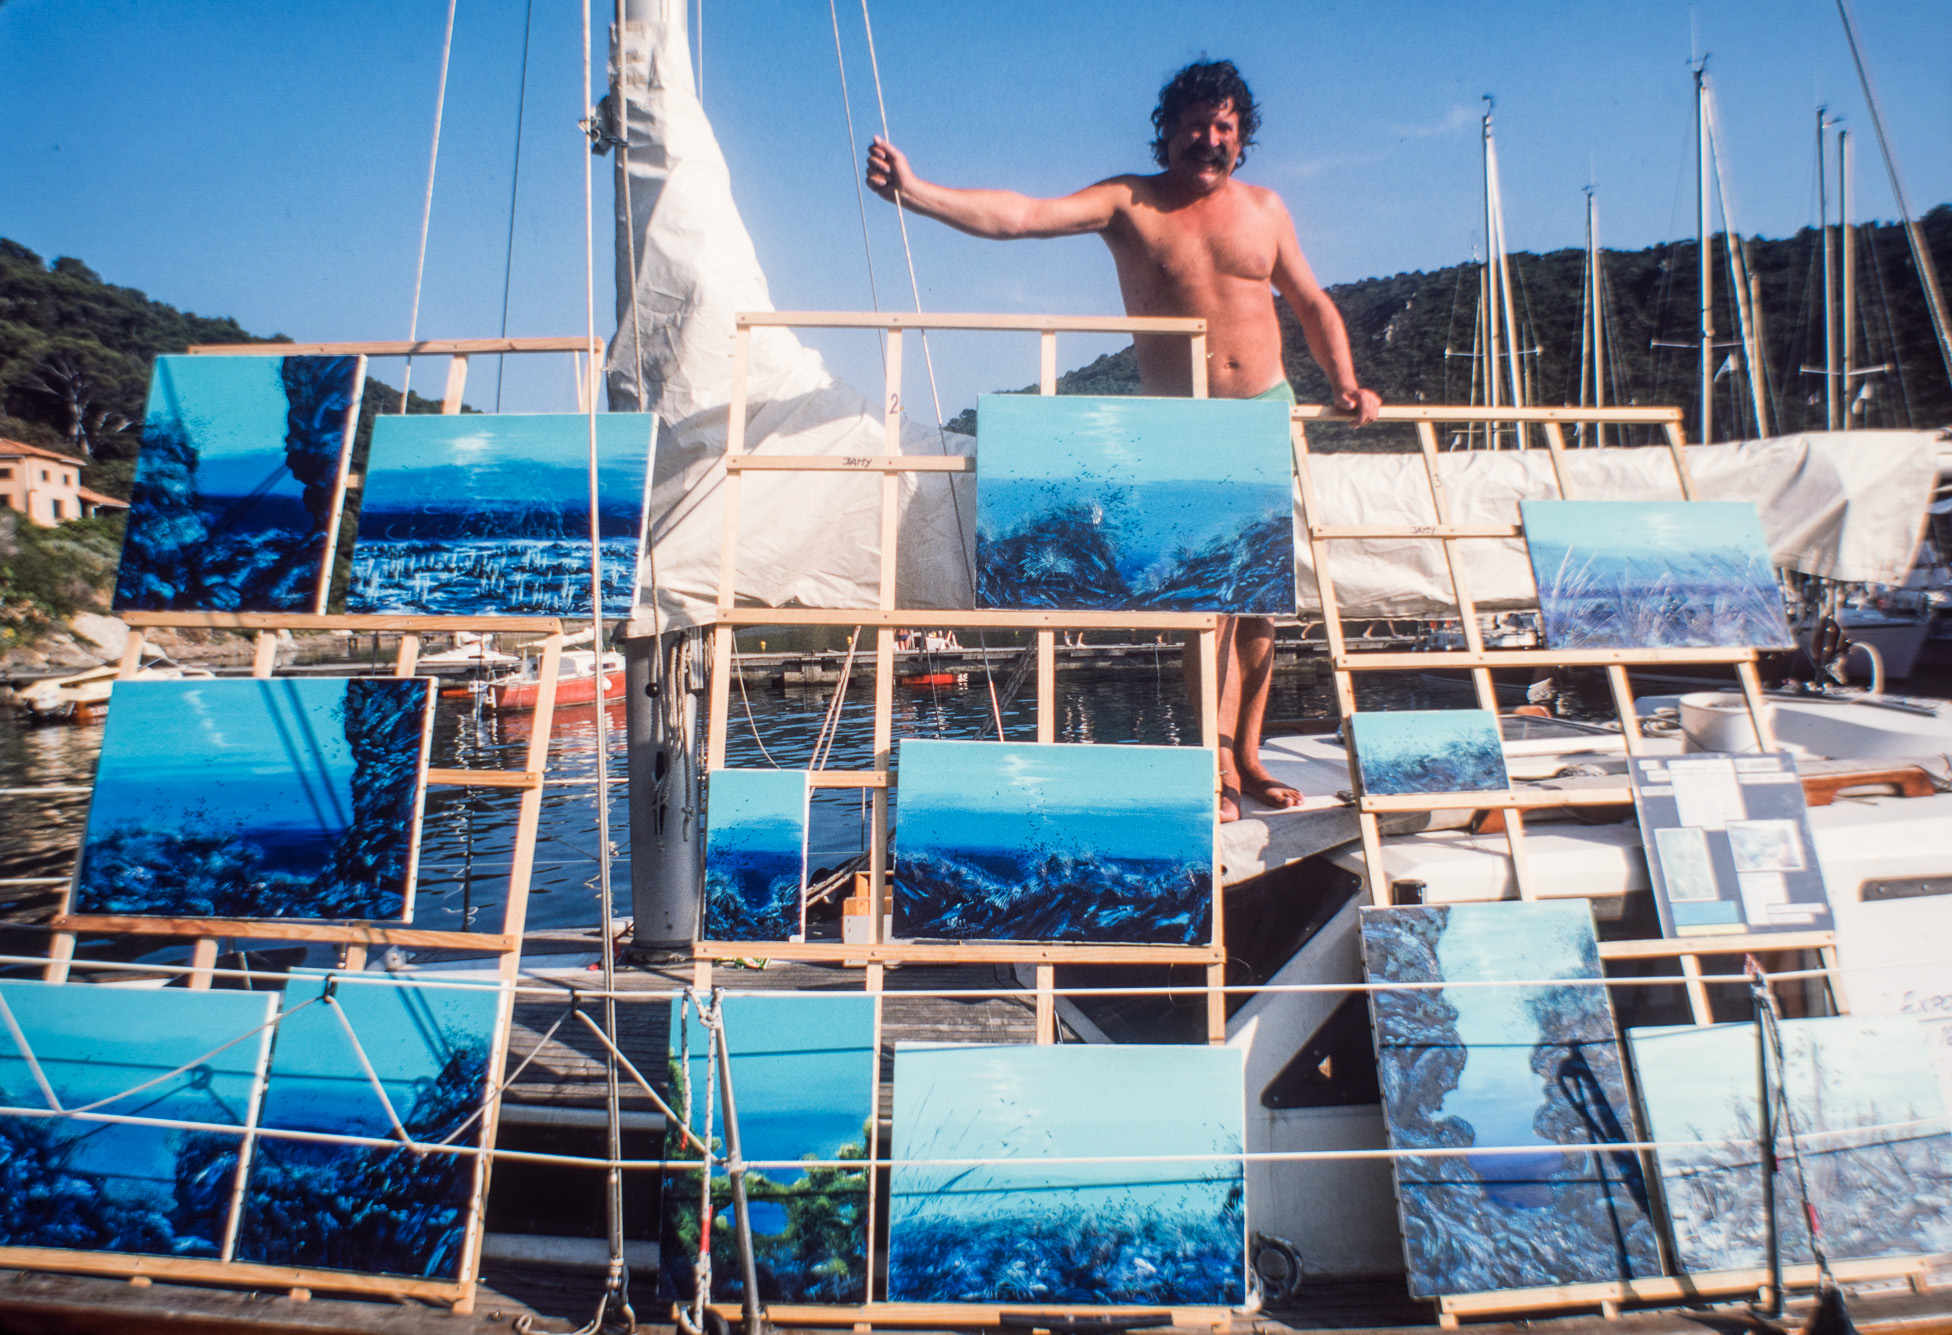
[935,679]
[575,684]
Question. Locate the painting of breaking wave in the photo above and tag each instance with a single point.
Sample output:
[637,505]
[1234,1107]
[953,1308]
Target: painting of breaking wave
[1530,1069]
[359,1207]
[249,798]
[476,515]
[1181,505]
[755,853]
[1876,1193]
[1653,575]
[104,1186]
[803,1072]
[1035,1231]
[1428,751]
[233,504]
[1023,842]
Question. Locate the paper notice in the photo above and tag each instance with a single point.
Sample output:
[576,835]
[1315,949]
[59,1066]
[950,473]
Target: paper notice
[1761,892]
[1706,793]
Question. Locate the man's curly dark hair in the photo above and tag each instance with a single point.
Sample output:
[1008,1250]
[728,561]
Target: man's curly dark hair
[1210,81]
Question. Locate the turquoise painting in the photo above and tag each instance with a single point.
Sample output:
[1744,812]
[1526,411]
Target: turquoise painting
[258,798]
[755,853]
[1428,751]
[116,1187]
[363,1207]
[803,1075]
[1530,1071]
[1181,505]
[1653,575]
[1037,1230]
[1876,1193]
[1017,841]
[472,514]
[234,505]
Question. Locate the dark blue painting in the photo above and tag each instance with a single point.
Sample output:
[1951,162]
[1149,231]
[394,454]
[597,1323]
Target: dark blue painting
[1653,575]
[360,1207]
[1039,1231]
[1532,1070]
[477,515]
[755,854]
[1428,751]
[235,502]
[117,1187]
[803,1073]
[249,798]
[1876,1193]
[1179,505]
[1022,842]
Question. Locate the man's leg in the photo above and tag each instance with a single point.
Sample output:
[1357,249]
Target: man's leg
[1252,668]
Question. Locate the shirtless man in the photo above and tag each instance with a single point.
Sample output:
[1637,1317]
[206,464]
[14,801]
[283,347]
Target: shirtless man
[1189,241]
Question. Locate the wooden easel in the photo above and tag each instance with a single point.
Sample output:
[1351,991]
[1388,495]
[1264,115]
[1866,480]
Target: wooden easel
[353,938]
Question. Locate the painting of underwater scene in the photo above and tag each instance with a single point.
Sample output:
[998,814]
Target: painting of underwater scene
[257,798]
[1653,575]
[116,1187]
[1181,505]
[1876,1193]
[755,853]
[1035,1231]
[803,1070]
[1534,1069]
[363,1207]
[1025,842]
[1428,751]
[470,514]
[234,506]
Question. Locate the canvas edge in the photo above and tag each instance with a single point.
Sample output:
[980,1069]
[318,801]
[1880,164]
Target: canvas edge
[341,478]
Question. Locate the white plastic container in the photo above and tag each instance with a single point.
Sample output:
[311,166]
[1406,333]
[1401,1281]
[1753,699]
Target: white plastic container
[1719,721]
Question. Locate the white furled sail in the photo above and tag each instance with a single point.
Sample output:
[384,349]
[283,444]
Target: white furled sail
[807,539]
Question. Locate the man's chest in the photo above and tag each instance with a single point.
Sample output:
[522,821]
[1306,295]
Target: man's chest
[1185,251]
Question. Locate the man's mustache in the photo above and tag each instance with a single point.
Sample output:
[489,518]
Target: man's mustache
[1212,157]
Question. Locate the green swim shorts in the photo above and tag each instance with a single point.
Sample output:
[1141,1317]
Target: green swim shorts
[1280,390]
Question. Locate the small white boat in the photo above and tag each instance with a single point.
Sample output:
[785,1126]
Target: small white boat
[82,697]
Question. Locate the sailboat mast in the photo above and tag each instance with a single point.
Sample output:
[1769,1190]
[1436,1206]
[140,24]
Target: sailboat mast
[1489,295]
[1847,314]
[1704,269]
[1594,333]
[1823,123]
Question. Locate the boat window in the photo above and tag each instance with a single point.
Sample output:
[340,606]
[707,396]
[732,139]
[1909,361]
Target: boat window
[1336,1068]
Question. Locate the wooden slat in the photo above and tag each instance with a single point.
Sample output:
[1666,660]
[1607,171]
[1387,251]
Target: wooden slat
[131,660]
[407,657]
[1386,661]
[457,384]
[278,929]
[1525,799]
[232,1273]
[892,320]
[1336,531]
[1198,352]
[719,706]
[963,619]
[884,761]
[1735,943]
[1047,362]
[426,347]
[312,621]
[964,1316]
[1457,412]
[484,778]
[1046,1003]
[961,952]
[838,463]
[730,493]
[203,958]
[1046,686]
[264,658]
[850,778]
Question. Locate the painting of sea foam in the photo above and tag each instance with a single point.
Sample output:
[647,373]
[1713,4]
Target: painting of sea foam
[233,506]
[1506,1067]
[1033,1231]
[755,853]
[117,1187]
[1876,1193]
[1428,751]
[1022,842]
[470,514]
[360,1207]
[1653,575]
[257,798]
[1182,505]
[803,1072]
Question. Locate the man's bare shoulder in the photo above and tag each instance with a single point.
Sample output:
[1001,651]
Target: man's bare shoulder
[1263,199]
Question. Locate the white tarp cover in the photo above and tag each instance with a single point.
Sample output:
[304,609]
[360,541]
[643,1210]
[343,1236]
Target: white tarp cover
[1849,506]
[809,539]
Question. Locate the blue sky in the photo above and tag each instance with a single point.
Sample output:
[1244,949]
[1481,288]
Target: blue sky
[513,458]
[976,1101]
[1128,801]
[1642,528]
[270,163]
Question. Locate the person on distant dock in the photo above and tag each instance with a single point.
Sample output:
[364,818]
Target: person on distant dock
[1188,241]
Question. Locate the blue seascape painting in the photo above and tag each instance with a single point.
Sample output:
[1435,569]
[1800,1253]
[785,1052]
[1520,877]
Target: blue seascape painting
[1181,505]
[1876,1193]
[475,515]
[803,1070]
[234,503]
[118,1187]
[1035,1231]
[1515,1067]
[1428,751]
[364,1207]
[257,798]
[755,853]
[1653,575]
[1022,842]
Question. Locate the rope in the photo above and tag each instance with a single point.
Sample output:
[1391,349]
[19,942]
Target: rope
[427,205]
[853,167]
[33,1063]
[372,1076]
[514,184]
[513,1076]
[642,1083]
[830,726]
[752,722]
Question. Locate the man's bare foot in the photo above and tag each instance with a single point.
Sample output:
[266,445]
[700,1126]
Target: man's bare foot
[1229,804]
[1266,788]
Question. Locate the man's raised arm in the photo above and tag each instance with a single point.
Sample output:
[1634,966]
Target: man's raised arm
[999,215]
[1321,324]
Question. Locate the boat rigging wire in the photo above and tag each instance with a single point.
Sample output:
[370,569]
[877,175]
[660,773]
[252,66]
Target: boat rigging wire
[427,205]
[853,160]
[514,185]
